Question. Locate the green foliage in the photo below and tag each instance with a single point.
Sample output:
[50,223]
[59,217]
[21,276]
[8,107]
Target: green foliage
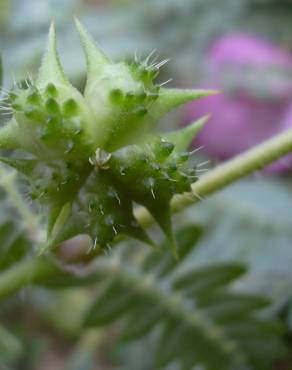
[242,226]
[10,347]
[186,26]
[14,244]
[198,318]
[95,154]
[1,72]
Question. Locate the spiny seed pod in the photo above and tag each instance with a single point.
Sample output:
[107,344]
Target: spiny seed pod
[95,154]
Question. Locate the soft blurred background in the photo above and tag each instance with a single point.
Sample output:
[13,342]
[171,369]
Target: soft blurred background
[244,49]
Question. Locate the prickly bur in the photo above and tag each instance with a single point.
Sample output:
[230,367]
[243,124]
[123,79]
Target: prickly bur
[89,158]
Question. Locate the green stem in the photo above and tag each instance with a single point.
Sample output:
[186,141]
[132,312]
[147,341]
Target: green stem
[25,272]
[40,268]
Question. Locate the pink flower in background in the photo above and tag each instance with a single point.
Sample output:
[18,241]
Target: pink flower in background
[256,79]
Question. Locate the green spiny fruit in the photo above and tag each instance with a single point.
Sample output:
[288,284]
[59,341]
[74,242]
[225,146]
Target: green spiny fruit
[94,154]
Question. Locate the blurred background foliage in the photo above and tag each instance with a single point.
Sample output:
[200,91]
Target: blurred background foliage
[180,30]
[248,223]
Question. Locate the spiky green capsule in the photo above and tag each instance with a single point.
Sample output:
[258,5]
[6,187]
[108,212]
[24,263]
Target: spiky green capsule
[95,154]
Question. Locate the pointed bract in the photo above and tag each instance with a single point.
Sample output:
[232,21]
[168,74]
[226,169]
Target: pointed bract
[182,138]
[95,57]
[51,69]
[170,99]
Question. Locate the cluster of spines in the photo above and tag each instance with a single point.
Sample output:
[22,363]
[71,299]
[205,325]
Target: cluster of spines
[110,211]
[51,181]
[147,70]
[144,72]
[154,172]
[134,102]
[49,118]
[134,105]
[148,175]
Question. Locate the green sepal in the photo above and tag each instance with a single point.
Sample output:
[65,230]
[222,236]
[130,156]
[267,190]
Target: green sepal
[57,89]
